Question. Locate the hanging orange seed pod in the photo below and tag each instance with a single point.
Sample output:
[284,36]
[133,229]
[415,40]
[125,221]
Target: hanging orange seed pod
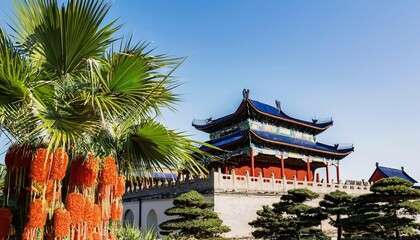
[40,165]
[94,219]
[109,171]
[37,214]
[28,232]
[62,220]
[75,204]
[59,164]
[90,169]
[96,236]
[116,211]
[88,209]
[119,188]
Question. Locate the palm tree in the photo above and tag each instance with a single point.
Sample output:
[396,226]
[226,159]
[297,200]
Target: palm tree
[66,81]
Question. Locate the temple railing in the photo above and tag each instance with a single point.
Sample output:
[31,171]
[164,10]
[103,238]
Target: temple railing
[246,183]
[217,181]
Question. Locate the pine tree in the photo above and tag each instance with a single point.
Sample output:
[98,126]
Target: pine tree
[386,213]
[290,218]
[196,219]
[336,204]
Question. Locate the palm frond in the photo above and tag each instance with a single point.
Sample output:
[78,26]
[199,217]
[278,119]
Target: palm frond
[63,83]
[149,146]
[63,126]
[65,37]
[13,72]
[130,82]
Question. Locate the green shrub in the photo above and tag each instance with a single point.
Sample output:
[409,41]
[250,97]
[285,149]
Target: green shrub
[196,219]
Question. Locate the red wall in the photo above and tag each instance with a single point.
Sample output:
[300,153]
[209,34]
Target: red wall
[267,168]
[376,176]
[242,168]
[298,171]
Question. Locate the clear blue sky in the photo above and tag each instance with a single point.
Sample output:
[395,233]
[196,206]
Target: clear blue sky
[355,61]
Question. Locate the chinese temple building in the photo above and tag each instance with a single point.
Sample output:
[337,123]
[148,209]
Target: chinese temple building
[262,139]
[260,153]
[386,172]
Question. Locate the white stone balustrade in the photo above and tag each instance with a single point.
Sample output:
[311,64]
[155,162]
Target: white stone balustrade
[217,181]
[246,183]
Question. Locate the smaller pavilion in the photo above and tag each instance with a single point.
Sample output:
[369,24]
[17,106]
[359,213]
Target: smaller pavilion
[262,139]
[386,172]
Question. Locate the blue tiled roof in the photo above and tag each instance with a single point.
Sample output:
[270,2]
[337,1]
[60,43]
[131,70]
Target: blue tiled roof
[392,172]
[278,113]
[199,124]
[300,142]
[159,175]
[281,140]
[264,109]
[225,140]
[164,175]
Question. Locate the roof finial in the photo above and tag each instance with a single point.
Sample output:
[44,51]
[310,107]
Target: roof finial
[377,164]
[402,168]
[278,105]
[245,93]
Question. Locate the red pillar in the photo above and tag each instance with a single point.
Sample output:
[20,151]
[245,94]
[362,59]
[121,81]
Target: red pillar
[251,152]
[327,173]
[281,166]
[226,169]
[308,170]
[338,173]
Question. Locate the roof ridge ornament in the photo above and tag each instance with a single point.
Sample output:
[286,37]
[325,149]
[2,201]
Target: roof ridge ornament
[278,105]
[245,93]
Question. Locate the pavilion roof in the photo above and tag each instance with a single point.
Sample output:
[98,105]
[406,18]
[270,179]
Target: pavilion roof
[280,141]
[393,172]
[273,113]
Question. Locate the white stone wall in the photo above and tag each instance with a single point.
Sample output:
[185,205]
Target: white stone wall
[135,208]
[159,206]
[237,210]
[237,198]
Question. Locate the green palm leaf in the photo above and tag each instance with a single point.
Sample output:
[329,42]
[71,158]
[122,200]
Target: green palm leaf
[130,81]
[13,72]
[149,146]
[65,37]
[64,84]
